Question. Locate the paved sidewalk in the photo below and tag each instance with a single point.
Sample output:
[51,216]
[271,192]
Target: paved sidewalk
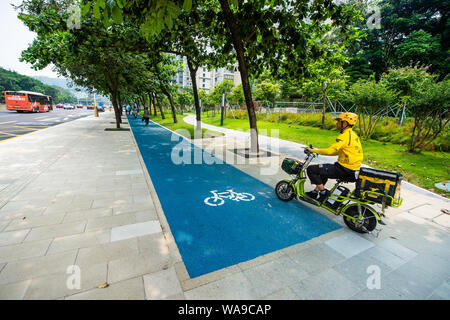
[77,200]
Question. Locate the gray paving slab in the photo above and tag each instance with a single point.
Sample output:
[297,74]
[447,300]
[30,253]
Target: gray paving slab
[24,269]
[135,230]
[327,285]
[272,276]
[162,285]
[14,291]
[62,285]
[410,279]
[225,289]
[103,253]
[349,244]
[317,258]
[13,237]
[442,292]
[136,265]
[130,289]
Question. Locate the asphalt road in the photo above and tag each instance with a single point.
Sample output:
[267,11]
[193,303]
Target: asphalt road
[14,124]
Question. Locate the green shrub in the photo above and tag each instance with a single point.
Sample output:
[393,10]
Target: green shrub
[388,129]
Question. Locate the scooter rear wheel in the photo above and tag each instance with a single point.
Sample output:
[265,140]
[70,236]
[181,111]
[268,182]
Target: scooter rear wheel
[368,223]
[284,191]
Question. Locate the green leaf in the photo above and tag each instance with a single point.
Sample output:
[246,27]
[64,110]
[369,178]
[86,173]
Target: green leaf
[120,4]
[106,21]
[101,3]
[169,21]
[187,5]
[96,10]
[117,15]
[85,8]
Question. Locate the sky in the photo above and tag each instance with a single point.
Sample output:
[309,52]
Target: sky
[15,38]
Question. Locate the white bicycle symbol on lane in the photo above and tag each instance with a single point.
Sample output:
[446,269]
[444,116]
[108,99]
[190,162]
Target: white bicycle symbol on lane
[218,197]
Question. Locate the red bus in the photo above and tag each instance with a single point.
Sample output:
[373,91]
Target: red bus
[28,101]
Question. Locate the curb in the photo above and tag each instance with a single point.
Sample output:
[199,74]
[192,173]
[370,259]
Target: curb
[173,248]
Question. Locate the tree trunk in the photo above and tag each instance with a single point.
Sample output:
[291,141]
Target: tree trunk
[172,106]
[193,73]
[322,125]
[153,103]
[239,48]
[116,108]
[159,107]
[119,100]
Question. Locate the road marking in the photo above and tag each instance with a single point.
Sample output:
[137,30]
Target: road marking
[26,127]
[10,134]
[7,122]
[19,135]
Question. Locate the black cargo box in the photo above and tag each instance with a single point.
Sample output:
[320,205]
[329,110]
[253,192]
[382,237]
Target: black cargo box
[378,183]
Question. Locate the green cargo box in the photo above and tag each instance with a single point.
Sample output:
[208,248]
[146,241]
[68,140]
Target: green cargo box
[291,166]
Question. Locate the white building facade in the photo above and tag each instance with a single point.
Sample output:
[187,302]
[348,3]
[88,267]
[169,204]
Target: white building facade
[206,79]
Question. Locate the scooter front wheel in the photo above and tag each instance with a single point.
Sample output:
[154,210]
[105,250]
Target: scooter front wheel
[284,191]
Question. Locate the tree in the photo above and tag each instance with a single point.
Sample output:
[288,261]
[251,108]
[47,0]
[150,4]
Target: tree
[237,95]
[274,33]
[327,72]
[422,47]
[164,68]
[371,98]
[183,99]
[216,93]
[92,56]
[400,20]
[427,100]
[266,92]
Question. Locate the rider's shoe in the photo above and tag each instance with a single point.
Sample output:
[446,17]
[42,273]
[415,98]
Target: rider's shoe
[312,194]
[323,195]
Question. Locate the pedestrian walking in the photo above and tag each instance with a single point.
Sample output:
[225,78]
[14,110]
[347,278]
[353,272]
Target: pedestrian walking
[146,116]
[135,112]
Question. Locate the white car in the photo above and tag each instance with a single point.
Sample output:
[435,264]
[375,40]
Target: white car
[69,106]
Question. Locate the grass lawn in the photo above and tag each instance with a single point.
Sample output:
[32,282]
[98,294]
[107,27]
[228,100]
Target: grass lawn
[424,169]
[181,127]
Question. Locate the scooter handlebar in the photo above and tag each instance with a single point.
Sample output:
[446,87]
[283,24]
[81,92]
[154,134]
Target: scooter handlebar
[308,152]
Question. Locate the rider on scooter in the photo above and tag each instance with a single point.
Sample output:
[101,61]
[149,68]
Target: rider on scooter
[350,154]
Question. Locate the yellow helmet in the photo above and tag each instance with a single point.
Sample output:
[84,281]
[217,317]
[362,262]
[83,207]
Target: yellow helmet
[351,118]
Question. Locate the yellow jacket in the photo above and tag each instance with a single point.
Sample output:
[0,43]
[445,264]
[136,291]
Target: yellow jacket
[348,149]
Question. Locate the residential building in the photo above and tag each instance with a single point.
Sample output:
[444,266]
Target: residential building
[206,79]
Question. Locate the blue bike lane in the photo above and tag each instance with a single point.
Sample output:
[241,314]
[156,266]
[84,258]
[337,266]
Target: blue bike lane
[212,235]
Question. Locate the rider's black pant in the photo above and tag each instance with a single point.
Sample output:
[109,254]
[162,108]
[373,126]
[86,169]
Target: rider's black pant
[319,174]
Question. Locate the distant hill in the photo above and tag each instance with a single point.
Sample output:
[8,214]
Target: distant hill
[11,80]
[58,82]
[81,93]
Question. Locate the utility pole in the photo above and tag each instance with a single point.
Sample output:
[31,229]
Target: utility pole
[95,107]
[222,107]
